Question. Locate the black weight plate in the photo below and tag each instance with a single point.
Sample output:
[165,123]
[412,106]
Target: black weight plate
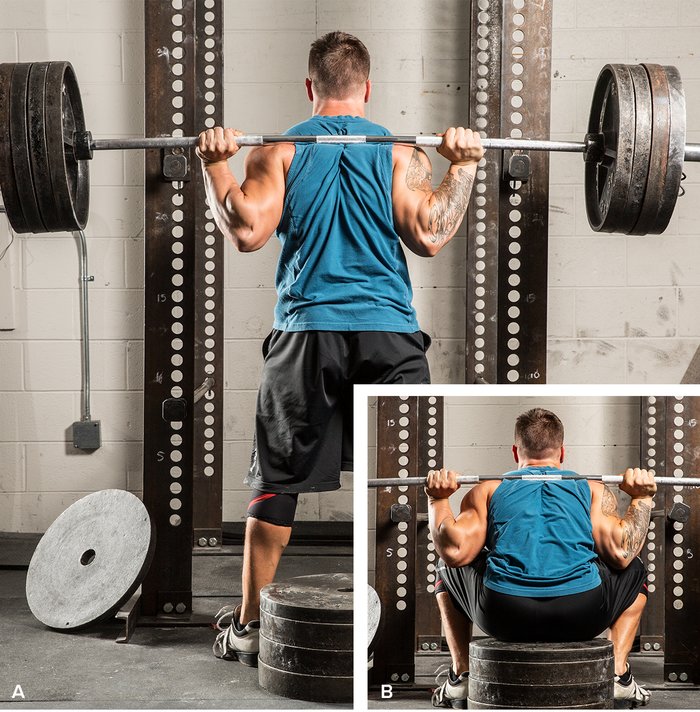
[642,147]
[314,688]
[43,190]
[491,649]
[321,598]
[608,705]
[676,150]
[70,178]
[540,696]
[540,673]
[305,661]
[613,115]
[660,142]
[329,636]
[10,197]
[21,160]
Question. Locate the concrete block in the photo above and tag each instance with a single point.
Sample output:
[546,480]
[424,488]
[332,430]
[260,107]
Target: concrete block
[659,360]
[96,56]
[574,44]
[115,212]
[253,314]
[563,15]
[107,15]
[251,270]
[242,364]
[688,14]
[562,210]
[663,260]
[593,424]
[47,314]
[271,56]
[108,169]
[116,314]
[428,14]
[270,15]
[446,361]
[239,415]
[254,107]
[396,56]
[12,468]
[480,460]
[114,109]
[688,311]
[560,313]
[121,413]
[54,263]
[34,512]
[8,47]
[686,213]
[133,167]
[57,467]
[294,105]
[236,460]
[56,366]
[134,467]
[611,459]
[427,107]
[336,14]
[134,263]
[134,365]
[593,262]
[11,371]
[441,312]
[335,506]
[628,13]
[586,361]
[563,107]
[584,67]
[447,269]
[36,417]
[691,88]
[652,45]
[626,311]
[37,15]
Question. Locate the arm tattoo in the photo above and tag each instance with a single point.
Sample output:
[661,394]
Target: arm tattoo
[451,200]
[418,177]
[608,504]
[634,528]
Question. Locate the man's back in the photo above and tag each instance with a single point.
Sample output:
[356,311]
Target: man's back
[341,267]
[540,539]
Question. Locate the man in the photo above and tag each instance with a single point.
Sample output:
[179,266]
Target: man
[559,565]
[344,312]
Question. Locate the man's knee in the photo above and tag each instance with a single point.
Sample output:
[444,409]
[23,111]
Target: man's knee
[276,508]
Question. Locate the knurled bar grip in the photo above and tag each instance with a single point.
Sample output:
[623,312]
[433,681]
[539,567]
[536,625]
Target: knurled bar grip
[692,151]
[474,479]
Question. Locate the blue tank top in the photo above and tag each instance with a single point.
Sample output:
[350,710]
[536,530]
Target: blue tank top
[540,537]
[342,267]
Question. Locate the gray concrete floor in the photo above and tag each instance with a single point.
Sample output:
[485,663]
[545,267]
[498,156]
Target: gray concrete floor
[648,670]
[160,668]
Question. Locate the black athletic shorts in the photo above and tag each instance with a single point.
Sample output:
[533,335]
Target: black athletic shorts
[303,421]
[579,616]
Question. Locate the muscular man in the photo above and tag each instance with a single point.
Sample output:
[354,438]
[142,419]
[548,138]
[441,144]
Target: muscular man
[559,563]
[344,312]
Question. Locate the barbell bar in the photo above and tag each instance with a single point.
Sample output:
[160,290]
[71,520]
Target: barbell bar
[515,475]
[634,149]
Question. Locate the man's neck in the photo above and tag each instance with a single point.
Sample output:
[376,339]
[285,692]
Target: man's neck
[339,107]
[531,462]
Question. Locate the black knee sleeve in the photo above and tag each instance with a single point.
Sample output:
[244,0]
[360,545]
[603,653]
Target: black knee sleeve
[275,508]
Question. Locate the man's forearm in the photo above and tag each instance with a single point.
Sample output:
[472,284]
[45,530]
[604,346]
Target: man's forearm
[449,202]
[227,202]
[442,526]
[635,525]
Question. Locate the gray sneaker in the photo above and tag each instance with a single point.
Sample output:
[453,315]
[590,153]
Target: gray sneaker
[630,695]
[237,641]
[453,693]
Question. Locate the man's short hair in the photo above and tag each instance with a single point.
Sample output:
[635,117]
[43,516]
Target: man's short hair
[338,65]
[538,431]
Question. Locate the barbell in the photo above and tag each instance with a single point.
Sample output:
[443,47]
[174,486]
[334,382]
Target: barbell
[517,475]
[634,149]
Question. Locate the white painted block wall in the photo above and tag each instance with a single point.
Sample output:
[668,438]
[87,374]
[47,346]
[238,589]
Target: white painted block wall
[648,287]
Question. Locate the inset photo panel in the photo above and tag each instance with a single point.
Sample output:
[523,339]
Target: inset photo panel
[530,548]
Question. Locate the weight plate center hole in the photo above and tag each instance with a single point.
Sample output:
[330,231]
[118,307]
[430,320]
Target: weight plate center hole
[88,557]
